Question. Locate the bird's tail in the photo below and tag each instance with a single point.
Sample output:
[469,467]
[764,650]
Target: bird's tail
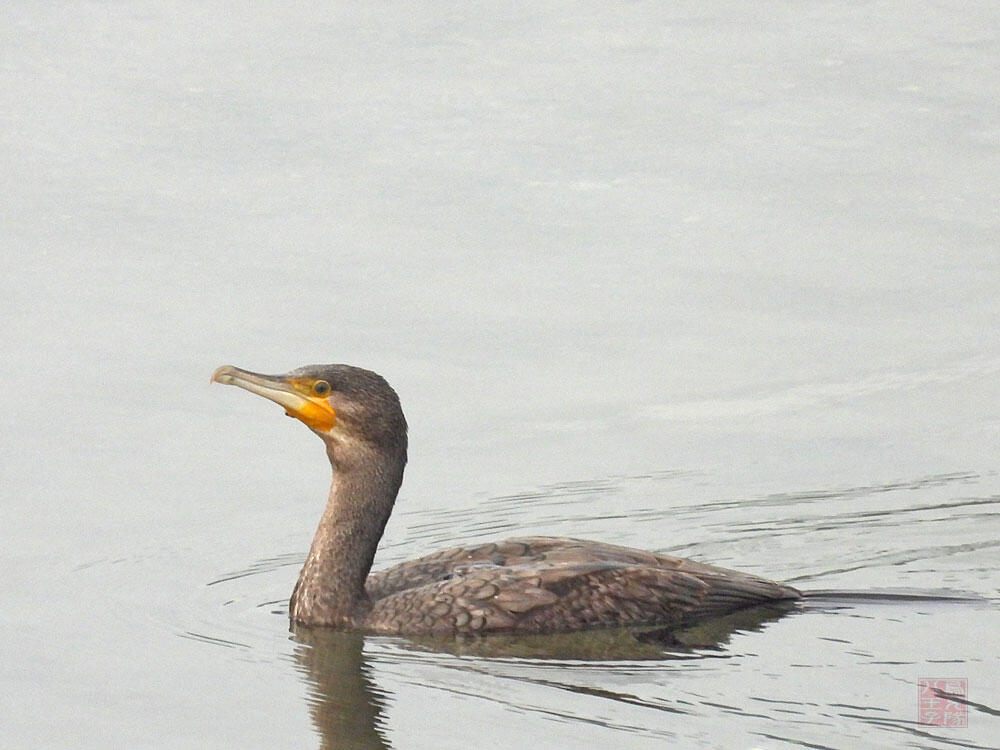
[847,596]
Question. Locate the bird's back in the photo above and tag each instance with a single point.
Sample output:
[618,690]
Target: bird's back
[554,584]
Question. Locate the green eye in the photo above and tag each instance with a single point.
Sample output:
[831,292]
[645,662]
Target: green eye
[321,388]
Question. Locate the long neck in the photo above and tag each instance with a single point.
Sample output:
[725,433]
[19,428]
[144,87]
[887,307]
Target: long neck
[331,586]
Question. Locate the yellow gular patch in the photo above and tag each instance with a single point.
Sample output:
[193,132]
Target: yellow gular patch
[314,411]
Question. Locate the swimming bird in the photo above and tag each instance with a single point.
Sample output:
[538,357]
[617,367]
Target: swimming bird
[523,585]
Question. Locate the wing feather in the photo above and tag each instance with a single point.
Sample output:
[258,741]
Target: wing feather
[614,587]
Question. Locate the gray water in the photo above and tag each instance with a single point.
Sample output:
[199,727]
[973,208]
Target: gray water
[718,280]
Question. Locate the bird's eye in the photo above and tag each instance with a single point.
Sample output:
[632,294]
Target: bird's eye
[321,388]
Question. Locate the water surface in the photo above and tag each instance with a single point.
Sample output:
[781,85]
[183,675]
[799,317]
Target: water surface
[718,281]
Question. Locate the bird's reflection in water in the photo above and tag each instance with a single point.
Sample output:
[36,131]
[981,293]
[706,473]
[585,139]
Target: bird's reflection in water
[347,707]
[345,704]
[611,644]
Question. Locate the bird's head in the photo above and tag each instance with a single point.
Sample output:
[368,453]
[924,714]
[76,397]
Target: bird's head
[346,406]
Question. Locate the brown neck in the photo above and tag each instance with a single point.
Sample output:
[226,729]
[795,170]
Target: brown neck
[331,587]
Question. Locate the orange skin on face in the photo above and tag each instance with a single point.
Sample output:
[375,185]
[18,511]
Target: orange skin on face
[316,412]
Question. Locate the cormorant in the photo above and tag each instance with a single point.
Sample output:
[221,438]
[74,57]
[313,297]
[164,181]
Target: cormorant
[524,585]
